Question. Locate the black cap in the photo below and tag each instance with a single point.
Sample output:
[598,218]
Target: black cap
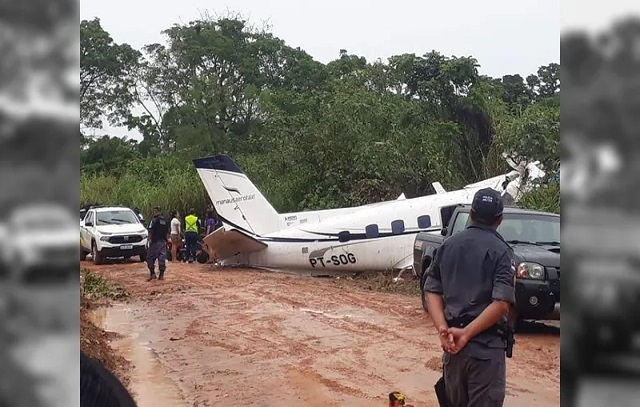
[487,204]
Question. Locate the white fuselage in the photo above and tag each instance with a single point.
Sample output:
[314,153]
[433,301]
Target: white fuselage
[309,244]
[378,236]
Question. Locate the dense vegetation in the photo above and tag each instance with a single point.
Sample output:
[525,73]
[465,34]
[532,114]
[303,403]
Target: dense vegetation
[310,135]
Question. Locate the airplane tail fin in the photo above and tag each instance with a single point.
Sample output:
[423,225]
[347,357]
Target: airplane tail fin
[237,201]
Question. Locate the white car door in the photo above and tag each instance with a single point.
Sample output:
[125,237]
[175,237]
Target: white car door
[85,233]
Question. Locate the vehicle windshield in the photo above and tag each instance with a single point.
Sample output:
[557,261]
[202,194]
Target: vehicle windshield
[522,228]
[117,217]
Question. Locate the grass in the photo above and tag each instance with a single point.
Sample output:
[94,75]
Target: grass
[94,341]
[95,287]
[383,282]
[173,190]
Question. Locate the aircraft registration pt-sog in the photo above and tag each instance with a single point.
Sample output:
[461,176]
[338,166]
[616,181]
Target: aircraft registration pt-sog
[374,237]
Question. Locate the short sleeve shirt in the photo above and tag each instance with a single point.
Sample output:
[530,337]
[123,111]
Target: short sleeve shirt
[159,229]
[175,226]
[470,270]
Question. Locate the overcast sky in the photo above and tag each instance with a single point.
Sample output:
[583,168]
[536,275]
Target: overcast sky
[505,36]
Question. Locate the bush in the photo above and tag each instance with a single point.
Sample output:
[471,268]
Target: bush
[145,184]
[545,198]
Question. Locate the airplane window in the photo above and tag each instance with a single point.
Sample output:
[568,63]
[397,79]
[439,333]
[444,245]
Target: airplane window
[344,236]
[397,227]
[372,231]
[424,221]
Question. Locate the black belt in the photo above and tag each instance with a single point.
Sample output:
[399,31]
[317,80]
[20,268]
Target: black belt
[461,322]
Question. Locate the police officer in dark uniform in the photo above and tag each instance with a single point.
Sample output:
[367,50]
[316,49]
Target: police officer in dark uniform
[158,231]
[470,289]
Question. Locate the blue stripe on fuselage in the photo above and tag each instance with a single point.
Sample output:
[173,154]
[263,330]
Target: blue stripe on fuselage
[332,238]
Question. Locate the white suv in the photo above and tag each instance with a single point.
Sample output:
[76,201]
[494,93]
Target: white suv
[112,232]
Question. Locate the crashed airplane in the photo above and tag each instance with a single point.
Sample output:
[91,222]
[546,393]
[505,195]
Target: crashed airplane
[372,237]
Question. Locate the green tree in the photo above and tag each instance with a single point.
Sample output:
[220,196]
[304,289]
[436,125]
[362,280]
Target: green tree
[314,135]
[106,76]
[108,155]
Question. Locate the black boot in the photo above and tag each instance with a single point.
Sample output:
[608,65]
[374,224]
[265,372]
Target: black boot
[161,276]
[152,276]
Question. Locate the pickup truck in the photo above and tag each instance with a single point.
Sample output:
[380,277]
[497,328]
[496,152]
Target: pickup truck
[108,232]
[535,238]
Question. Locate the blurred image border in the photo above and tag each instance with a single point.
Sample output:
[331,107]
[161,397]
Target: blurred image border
[600,73]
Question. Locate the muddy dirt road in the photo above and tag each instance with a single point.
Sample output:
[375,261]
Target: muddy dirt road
[204,337]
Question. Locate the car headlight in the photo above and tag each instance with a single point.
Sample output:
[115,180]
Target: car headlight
[530,270]
[104,238]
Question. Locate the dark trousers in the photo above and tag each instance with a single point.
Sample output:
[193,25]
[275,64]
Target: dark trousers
[157,251]
[473,382]
[191,241]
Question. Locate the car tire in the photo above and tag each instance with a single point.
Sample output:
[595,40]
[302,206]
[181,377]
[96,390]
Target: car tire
[202,257]
[95,254]
[83,254]
[143,256]
[423,294]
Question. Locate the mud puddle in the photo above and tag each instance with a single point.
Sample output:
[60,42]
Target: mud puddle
[148,378]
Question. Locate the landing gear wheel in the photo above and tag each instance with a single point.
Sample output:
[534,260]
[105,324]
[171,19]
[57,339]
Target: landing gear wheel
[95,254]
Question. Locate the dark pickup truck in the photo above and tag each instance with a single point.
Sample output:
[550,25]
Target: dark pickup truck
[535,238]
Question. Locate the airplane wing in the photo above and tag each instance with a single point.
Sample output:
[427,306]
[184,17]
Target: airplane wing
[229,243]
[439,188]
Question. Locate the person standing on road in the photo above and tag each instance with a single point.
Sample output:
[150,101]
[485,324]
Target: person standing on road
[470,290]
[211,226]
[139,214]
[158,231]
[176,235]
[191,232]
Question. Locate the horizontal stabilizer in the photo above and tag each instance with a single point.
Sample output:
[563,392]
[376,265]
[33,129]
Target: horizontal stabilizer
[228,243]
[439,188]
